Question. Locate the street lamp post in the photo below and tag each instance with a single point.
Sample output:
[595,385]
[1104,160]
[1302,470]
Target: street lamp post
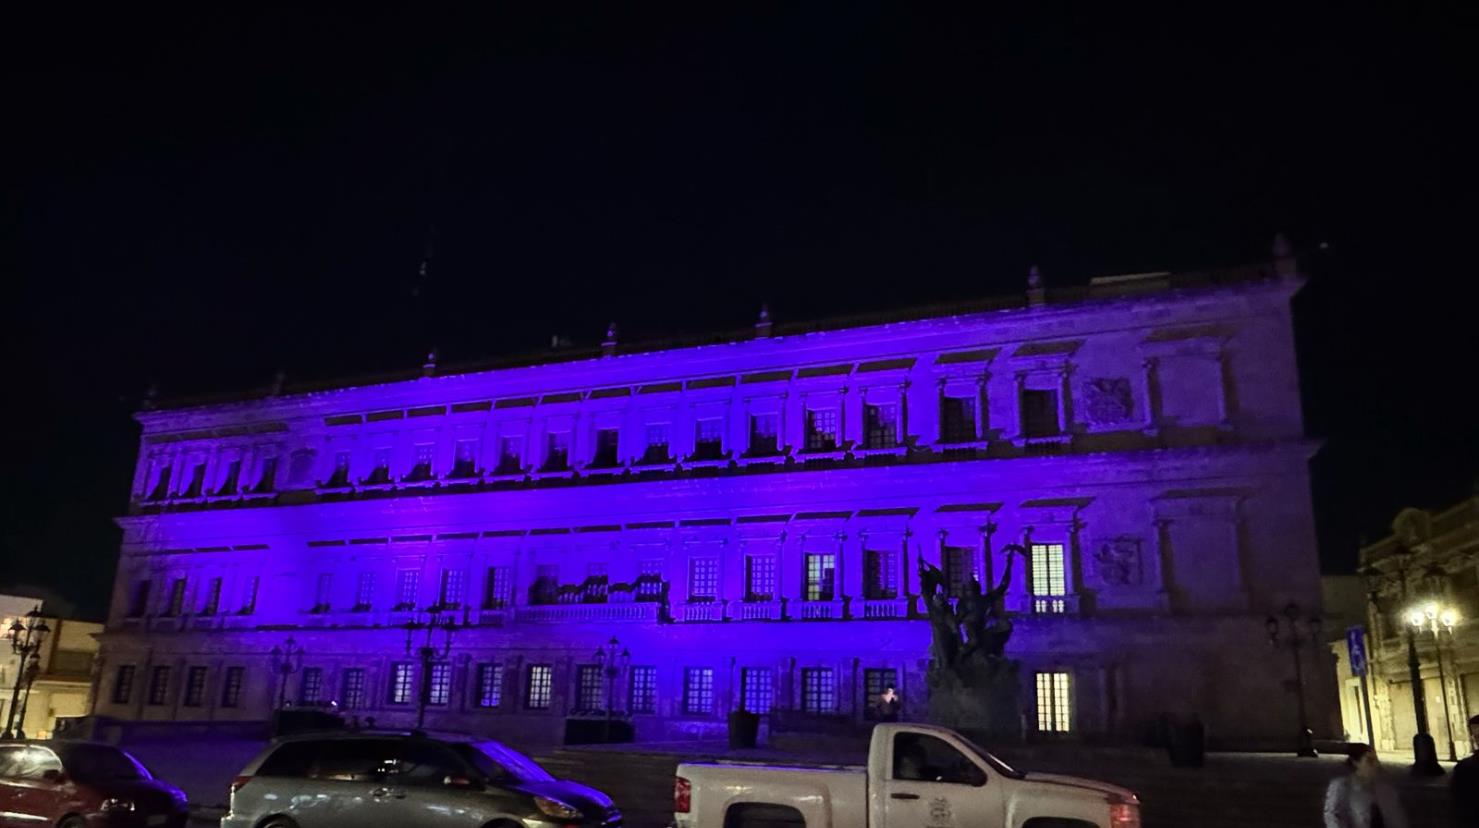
[1294,638]
[613,658]
[428,654]
[1433,616]
[287,659]
[25,643]
[1424,752]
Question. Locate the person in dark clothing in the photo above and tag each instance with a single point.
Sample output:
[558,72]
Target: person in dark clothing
[1362,797]
[1464,784]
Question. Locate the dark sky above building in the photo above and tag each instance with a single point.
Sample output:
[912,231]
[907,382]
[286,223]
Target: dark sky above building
[200,197]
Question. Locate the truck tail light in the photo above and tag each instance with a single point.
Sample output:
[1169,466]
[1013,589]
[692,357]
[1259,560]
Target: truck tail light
[682,795]
[1124,815]
[239,782]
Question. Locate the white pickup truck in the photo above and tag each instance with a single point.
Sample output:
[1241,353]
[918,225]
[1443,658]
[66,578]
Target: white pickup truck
[918,776]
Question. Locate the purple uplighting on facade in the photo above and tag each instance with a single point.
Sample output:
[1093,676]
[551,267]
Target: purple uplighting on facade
[747,517]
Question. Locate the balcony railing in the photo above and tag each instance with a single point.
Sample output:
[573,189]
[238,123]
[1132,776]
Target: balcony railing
[757,610]
[564,613]
[885,608]
[820,610]
[700,611]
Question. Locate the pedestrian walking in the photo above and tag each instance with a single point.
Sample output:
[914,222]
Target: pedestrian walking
[1361,797]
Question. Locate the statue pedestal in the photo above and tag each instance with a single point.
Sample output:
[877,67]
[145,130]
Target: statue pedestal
[981,694]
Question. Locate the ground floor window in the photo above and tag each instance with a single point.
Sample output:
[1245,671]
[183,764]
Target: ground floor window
[1054,703]
[313,685]
[353,697]
[698,691]
[123,684]
[644,690]
[231,687]
[440,691]
[490,685]
[818,690]
[195,687]
[402,677]
[588,691]
[158,685]
[757,689]
[541,681]
[876,684]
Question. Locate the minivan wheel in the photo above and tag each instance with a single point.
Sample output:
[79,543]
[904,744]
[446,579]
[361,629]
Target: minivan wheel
[73,821]
[279,822]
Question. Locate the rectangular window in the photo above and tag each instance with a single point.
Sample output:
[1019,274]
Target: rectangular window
[759,577]
[538,686]
[821,575]
[546,586]
[323,593]
[313,685]
[267,482]
[421,470]
[158,685]
[643,697]
[364,592]
[880,426]
[594,590]
[197,481]
[557,451]
[353,697]
[698,691]
[703,579]
[231,687]
[1040,413]
[123,684]
[465,463]
[590,691]
[960,569]
[407,583]
[402,683]
[249,605]
[451,591]
[439,689]
[649,580]
[138,606]
[195,687]
[340,478]
[958,419]
[875,683]
[161,485]
[1049,578]
[231,480]
[490,685]
[757,689]
[765,431]
[176,604]
[212,603]
[880,574]
[604,456]
[708,439]
[380,472]
[499,591]
[300,467]
[657,450]
[821,429]
[818,690]
[1054,703]
[510,455]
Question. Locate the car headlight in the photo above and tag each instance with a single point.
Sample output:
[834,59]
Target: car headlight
[556,808]
[118,805]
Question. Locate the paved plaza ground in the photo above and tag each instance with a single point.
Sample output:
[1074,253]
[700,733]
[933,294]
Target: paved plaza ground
[1233,790]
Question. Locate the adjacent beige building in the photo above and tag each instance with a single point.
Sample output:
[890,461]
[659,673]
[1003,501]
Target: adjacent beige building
[63,687]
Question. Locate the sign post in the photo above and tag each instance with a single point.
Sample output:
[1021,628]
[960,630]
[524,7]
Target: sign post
[1355,642]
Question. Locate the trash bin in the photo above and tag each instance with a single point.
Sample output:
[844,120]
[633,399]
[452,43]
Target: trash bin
[744,729]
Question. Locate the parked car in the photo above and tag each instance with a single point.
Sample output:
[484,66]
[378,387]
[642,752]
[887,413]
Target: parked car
[916,775]
[358,778]
[83,785]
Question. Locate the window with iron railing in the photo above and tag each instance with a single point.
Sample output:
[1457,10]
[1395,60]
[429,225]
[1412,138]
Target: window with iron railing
[821,429]
[880,426]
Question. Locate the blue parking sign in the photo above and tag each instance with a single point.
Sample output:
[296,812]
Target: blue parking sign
[1355,643]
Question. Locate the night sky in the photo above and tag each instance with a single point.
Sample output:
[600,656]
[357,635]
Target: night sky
[199,198]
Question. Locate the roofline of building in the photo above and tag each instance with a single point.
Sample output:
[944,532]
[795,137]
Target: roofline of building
[1101,289]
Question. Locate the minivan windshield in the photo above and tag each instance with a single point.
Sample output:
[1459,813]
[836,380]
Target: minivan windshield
[97,763]
[497,761]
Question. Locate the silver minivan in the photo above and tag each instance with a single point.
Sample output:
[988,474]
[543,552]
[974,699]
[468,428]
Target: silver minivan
[359,778]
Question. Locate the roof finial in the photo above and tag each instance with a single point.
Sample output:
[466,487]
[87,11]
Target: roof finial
[1285,264]
[1035,294]
[762,325]
[608,347]
[429,367]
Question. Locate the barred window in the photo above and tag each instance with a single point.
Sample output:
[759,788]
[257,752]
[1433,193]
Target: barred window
[875,682]
[402,681]
[703,579]
[589,691]
[643,697]
[1049,578]
[1054,703]
[880,574]
[500,587]
[960,569]
[821,429]
[451,592]
[539,686]
[698,691]
[364,593]
[649,580]
[880,426]
[759,577]
[231,687]
[490,685]
[353,697]
[158,685]
[249,606]
[407,583]
[212,603]
[818,690]
[757,689]
[195,686]
[821,575]
[440,689]
[324,590]
[313,685]
[123,684]
[176,597]
[958,419]
[594,590]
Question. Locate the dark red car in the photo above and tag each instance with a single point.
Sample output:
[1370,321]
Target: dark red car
[83,785]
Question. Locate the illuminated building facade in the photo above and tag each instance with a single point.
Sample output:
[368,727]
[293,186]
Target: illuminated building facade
[746,517]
